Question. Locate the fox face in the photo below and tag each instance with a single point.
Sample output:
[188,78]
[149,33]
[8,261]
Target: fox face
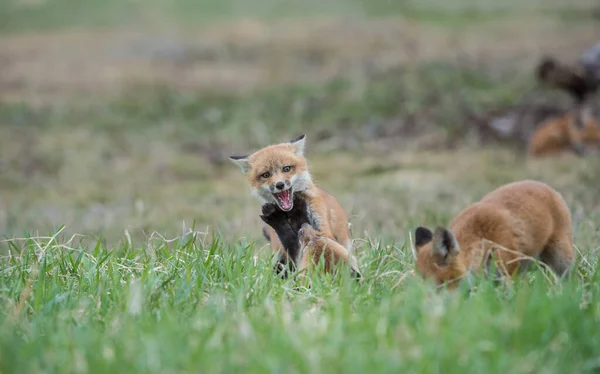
[276,172]
[438,256]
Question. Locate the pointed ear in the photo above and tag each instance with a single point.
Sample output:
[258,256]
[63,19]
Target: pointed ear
[422,236]
[242,162]
[298,144]
[444,247]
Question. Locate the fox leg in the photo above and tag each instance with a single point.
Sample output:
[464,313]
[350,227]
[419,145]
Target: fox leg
[320,221]
[303,268]
[334,228]
[345,240]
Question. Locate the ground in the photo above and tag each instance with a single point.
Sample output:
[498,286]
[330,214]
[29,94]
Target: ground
[132,243]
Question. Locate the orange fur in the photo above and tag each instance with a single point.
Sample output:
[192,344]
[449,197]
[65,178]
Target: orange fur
[567,132]
[525,218]
[265,169]
[314,247]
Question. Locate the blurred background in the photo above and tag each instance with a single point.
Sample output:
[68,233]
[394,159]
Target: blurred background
[118,117]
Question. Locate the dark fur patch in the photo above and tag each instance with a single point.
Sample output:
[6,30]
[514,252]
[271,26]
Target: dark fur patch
[447,240]
[545,65]
[579,84]
[287,224]
[238,157]
[444,246]
[422,236]
[298,139]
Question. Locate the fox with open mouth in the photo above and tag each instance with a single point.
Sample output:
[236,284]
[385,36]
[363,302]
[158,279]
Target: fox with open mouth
[279,172]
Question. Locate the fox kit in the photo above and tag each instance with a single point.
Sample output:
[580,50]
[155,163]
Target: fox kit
[278,173]
[577,131]
[314,246]
[522,218]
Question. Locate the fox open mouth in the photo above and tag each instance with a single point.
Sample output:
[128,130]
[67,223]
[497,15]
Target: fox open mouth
[284,200]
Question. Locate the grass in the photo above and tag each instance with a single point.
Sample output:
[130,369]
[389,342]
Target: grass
[151,158]
[198,303]
[208,300]
[39,15]
[167,145]
[112,141]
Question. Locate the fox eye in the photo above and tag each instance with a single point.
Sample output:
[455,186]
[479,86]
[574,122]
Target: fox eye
[286,169]
[265,175]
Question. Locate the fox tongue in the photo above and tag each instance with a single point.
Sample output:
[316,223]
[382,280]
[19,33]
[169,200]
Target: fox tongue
[285,199]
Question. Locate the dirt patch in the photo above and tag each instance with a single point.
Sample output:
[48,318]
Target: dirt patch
[248,54]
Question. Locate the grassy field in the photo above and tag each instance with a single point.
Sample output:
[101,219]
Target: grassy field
[131,244]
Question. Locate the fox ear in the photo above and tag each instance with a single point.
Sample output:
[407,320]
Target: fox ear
[422,236]
[444,247]
[298,144]
[242,162]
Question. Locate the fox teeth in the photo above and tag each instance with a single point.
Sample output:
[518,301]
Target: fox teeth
[284,199]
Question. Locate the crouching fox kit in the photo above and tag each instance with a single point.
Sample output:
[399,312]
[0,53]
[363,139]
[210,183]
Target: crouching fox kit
[277,174]
[525,218]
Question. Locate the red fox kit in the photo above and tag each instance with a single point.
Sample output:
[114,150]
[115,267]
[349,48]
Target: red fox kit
[522,218]
[577,131]
[277,173]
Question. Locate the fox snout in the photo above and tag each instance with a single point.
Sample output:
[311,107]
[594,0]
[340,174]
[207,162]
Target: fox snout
[280,186]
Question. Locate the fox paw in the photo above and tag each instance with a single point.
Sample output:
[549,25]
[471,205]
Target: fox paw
[271,215]
[268,209]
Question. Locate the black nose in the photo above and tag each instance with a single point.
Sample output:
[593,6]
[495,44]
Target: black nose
[280,185]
